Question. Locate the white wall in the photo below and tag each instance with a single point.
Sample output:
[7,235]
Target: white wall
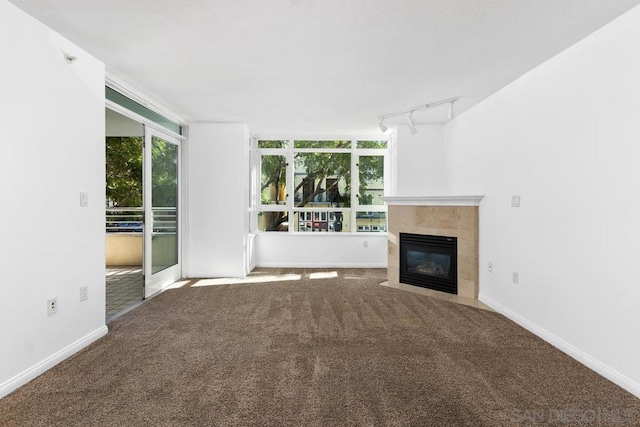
[321,250]
[218,200]
[53,149]
[566,138]
[419,162]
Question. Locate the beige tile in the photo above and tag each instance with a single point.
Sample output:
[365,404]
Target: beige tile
[466,243]
[435,231]
[467,268]
[438,217]
[393,274]
[467,288]
[394,257]
[467,217]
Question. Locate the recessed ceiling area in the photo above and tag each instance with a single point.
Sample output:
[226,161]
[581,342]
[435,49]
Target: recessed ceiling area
[320,66]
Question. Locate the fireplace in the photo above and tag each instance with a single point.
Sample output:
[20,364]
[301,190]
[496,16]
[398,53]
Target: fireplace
[429,261]
[452,216]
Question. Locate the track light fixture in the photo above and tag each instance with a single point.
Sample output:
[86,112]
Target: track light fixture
[69,58]
[383,127]
[412,124]
[411,120]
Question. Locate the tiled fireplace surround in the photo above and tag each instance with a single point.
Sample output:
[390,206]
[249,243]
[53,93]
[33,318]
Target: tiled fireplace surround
[454,216]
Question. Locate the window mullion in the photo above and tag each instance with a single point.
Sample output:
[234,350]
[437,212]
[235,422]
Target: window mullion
[258,182]
[290,183]
[355,189]
[385,175]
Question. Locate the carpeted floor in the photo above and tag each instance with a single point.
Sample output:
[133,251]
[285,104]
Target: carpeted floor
[324,352]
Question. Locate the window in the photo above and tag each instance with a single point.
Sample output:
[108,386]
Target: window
[372,221]
[273,181]
[319,186]
[118,98]
[371,175]
[319,178]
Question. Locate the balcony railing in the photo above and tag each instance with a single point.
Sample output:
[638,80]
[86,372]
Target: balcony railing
[124,220]
[131,220]
[164,220]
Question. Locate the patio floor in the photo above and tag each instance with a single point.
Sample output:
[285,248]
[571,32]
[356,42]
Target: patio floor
[124,288]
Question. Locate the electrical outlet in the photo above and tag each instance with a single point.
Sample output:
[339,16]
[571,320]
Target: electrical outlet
[515,201]
[84,293]
[52,306]
[490,267]
[365,244]
[515,277]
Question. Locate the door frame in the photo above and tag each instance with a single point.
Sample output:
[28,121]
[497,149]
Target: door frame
[155,282]
[183,177]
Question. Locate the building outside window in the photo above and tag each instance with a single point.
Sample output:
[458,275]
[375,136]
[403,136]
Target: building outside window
[322,186]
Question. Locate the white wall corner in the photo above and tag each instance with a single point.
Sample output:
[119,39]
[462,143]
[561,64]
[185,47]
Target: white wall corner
[569,150]
[579,355]
[40,368]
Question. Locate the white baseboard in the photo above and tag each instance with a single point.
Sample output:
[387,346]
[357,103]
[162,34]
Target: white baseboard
[582,357]
[48,363]
[214,274]
[319,265]
[234,274]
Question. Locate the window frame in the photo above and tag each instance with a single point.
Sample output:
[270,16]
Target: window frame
[293,212]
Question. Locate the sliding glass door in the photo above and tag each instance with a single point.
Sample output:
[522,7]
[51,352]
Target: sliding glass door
[162,201]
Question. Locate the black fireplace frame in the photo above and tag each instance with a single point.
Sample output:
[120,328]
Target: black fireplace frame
[436,244]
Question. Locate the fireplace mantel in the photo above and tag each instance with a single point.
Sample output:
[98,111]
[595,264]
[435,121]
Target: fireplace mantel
[434,200]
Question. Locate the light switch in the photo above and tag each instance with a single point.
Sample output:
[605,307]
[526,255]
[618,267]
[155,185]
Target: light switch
[84,199]
[515,201]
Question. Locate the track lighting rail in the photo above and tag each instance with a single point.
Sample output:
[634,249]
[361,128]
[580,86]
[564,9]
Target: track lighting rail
[410,111]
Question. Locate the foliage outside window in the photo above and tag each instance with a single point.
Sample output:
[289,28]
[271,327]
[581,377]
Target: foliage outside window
[274,179]
[319,186]
[371,173]
[164,183]
[320,177]
[124,171]
[124,184]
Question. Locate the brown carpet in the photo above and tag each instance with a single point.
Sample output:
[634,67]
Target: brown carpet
[327,352]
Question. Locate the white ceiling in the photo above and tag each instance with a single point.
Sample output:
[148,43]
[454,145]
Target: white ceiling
[320,66]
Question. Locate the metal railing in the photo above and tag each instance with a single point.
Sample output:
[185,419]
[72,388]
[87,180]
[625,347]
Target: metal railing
[124,220]
[131,220]
[164,220]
